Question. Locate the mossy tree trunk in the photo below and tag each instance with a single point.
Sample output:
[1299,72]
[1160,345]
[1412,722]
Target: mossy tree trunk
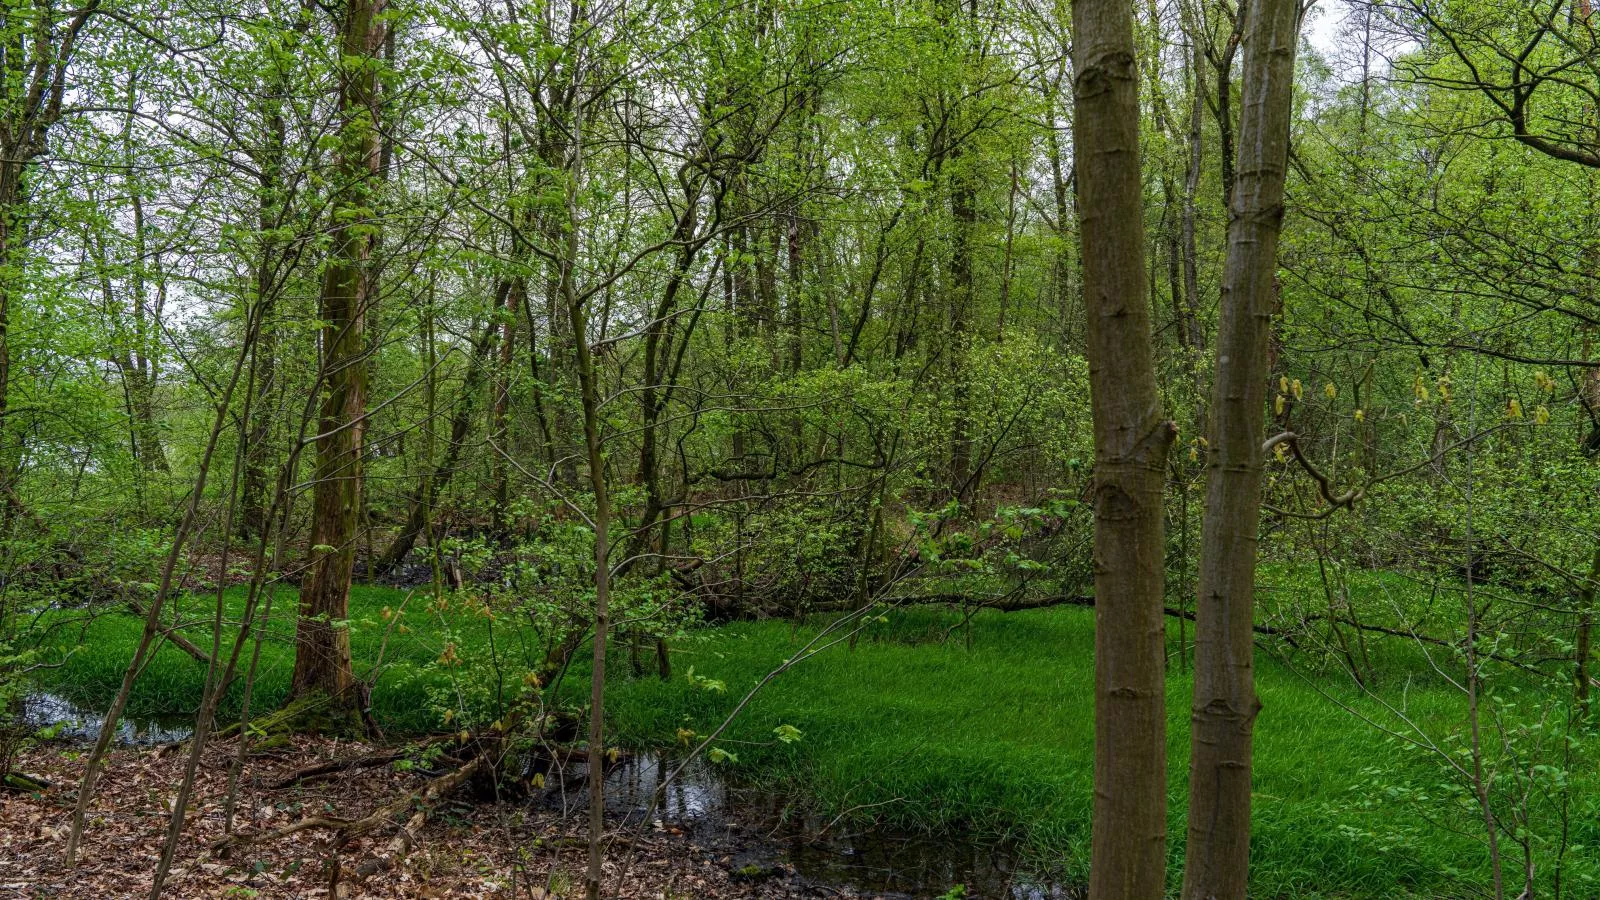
[322,642]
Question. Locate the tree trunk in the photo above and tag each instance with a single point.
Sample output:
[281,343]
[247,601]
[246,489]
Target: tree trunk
[1583,646]
[1225,703]
[1132,438]
[322,642]
[273,202]
[500,405]
[964,217]
[29,115]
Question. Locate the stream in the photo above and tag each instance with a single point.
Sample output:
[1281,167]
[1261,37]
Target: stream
[756,833]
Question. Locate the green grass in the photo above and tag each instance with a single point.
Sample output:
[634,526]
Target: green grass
[411,690]
[998,740]
[994,739]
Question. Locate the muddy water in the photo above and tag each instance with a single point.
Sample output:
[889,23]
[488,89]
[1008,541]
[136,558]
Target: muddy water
[760,833]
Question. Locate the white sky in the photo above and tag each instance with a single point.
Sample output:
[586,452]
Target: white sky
[1322,29]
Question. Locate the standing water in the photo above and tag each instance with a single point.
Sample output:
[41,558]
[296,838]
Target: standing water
[42,709]
[759,833]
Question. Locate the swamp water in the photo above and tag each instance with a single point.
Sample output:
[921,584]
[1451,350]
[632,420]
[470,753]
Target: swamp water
[758,832]
[42,709]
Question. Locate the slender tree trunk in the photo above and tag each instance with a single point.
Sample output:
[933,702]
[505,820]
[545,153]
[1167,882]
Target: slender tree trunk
[964,217]
[1225,703]
[152,619]
[40,60]
[1583,645]
[1188,245]
[1061,270]
[500,404]
[1222,62]
[436,476]
[322,643]
[1132,438]
[273,202]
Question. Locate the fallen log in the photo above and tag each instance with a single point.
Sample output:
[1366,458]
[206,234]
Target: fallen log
[171,634]
[23,784]
[336,766]
[1008,603]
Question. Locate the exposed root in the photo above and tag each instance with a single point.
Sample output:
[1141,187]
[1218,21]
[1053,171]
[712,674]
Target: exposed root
[316,714]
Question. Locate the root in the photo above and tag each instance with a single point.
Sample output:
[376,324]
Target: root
[313,714]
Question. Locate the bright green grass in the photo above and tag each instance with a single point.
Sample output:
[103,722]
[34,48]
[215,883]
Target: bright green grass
[998,740]
[409,695]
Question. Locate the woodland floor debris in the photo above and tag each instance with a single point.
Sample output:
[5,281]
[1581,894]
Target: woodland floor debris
[466,849]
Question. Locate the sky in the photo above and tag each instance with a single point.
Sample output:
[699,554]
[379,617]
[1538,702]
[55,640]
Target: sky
[1323,28]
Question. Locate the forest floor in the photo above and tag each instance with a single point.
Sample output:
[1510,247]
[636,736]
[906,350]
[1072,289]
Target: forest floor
[465,850]
[974,732]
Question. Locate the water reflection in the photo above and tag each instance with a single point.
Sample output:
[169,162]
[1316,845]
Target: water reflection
[759,832]
[43,710]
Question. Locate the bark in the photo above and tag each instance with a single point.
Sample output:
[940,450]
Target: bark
[322,643]
[1132,438]
[1225,702]
[500,406]
[1583,645]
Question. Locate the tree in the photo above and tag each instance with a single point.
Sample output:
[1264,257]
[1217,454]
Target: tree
[1131,440]
[40,43]
[1225,704]
[322,664]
